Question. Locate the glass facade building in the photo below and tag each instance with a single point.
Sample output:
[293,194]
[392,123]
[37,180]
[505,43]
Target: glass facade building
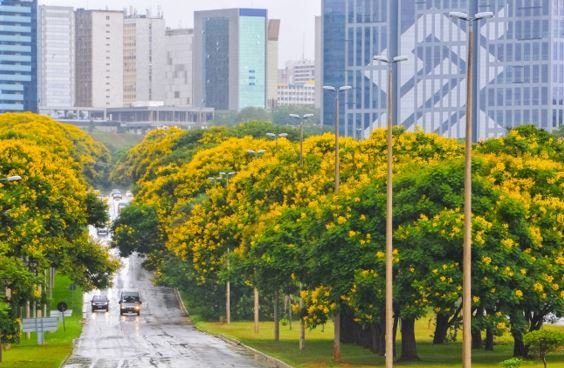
[18,55]
[519,64]
[56,76]
[229,58]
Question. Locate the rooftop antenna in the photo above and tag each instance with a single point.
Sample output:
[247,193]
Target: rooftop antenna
[303,46]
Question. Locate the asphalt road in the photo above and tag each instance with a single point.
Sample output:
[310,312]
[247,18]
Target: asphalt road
[161,337]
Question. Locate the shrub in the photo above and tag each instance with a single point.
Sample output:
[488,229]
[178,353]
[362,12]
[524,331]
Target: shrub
[542,342]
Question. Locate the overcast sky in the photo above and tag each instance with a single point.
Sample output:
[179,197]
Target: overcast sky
[297,36]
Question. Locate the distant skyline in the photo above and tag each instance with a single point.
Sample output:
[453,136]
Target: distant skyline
[297,28]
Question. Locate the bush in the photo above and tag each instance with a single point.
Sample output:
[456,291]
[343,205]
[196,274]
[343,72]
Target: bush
[543,342]
[511,363]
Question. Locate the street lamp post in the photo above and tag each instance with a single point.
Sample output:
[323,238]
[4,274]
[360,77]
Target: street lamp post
[467,257]
[337,91]
[276,136]
[389,335]
[255,289]
[225,176]
[301,118]
[337,322]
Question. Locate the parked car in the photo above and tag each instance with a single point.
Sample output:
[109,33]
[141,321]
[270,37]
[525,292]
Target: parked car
[102,231]
[129,302]
[115,194]
[100,302]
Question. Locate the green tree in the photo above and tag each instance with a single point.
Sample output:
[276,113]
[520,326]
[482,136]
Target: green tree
[542,342]
[137,230]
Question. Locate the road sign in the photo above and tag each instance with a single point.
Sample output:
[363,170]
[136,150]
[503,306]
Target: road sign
[62,306]
[40,325]
[59,315]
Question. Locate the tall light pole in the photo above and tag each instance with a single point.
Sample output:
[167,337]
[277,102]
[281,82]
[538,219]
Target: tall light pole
[301,118]
[337,92]
[337,322]
[255,289]
[227,175]
[467,257]
[276,136]
[389,336]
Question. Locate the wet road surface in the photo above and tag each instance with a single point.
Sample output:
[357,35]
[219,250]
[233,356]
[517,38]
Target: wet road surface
[160,337]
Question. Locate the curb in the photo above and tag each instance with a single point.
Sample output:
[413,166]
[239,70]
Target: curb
[259,355]
[74,341]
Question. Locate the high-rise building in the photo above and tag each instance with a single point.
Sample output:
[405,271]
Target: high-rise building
[229,58]
[296,94]
[99,58]
[178,67]
[300,72]
[55,52]
[18,55]
[519,64]
[318,63]
[272,62]
[144,59]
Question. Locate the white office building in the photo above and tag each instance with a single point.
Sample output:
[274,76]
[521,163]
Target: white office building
[144,59]
[99,58]
[56,58]
[296,94]
[178,67]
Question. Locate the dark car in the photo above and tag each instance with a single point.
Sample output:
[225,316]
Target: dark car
[100,302]
[129,302]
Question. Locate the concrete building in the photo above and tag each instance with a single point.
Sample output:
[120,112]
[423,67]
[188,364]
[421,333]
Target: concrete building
[518,62]
[18,55]
[143,58]
[178,67]
[99,58]
[300,71]
[272,63]
[296,94]
[229,58]
[56,63]
[318,63]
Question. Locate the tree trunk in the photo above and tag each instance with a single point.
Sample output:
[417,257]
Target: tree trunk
[395,333]
[1,348]
[276,318]
[302,334]
[256,294]
[543,361]
[477,339]
[337,337]
[408,343]
[519,348]
[441,329]
[288,307]
[489,339]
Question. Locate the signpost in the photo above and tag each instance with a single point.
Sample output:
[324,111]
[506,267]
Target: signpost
[40,325]
[62,307]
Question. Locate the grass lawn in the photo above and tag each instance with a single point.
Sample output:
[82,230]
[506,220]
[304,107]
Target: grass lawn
[318,348]
[116,141]
[58,345]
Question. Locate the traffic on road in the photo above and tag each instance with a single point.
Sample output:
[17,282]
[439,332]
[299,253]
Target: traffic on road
[143,325]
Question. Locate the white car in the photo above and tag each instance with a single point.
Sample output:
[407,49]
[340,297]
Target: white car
[115,194]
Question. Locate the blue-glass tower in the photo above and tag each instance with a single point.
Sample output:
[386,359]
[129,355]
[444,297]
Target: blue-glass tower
[519,64]
[18,55]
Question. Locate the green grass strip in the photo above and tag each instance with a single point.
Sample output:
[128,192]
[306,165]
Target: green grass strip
[59,344]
